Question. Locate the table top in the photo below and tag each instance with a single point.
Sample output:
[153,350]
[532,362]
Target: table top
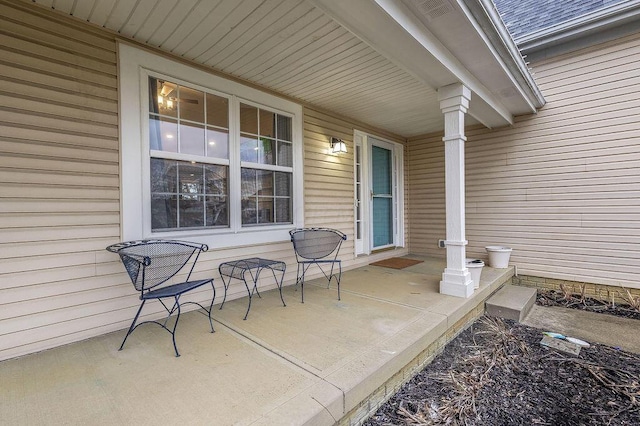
[236,268]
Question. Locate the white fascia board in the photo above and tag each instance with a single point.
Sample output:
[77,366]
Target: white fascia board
[410,45]
[496,37]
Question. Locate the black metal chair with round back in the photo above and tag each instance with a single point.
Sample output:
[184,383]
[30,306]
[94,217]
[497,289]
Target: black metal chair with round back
[151,264]
[317,246]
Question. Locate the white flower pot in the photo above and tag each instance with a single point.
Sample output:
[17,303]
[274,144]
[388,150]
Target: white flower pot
[498,256]
[475,269]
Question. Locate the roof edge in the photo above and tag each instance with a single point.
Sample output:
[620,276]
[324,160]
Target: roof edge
[487,16]
[580,26]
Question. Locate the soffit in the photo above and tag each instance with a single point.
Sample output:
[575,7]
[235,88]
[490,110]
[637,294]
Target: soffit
[288,46]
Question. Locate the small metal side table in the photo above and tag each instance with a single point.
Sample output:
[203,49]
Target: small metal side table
[238,269]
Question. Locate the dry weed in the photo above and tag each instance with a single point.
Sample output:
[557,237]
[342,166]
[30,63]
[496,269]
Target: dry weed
[632,301]
[460,407]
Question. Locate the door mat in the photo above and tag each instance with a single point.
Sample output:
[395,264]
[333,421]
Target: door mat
[396,262]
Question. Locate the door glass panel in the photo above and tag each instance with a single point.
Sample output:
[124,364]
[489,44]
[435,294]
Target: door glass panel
[381,166]
[382,205]
[382,223]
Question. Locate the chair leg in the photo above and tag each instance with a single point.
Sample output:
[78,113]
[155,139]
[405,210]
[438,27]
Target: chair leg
[226,286]
[175,325]
[133,324]
[211,306]
[304,271]
[297,276]
[300,279]
[339,277]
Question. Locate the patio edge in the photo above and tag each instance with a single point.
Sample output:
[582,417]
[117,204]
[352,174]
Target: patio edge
[359,414]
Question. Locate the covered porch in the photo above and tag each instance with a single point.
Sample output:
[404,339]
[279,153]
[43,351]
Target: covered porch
[321,362]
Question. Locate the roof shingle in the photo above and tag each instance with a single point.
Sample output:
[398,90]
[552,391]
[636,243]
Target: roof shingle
[523,17]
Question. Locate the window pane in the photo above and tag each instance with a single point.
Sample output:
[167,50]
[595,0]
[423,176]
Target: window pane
[191,211]
[188,195]
[248,148]
[163,134]
[283,210]
[264,182]
[249,197]
[217,143]
[266,150]
[191,104]
[163,211]
[190,179]
[265,210]
[217,207]
[284,128]
[164,176]
[285,154]
[154,96]
[217,111]
[283,184]
[267,124]
[248,119]
[248,183]
[191,138]
[163,97]
[215,180]
[217,211]
[249,211]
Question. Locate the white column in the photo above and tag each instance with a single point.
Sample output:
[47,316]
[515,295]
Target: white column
[454,102]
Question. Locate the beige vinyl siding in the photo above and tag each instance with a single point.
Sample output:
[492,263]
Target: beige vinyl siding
[427,194]
[329,180]
[60,187]
[562,188]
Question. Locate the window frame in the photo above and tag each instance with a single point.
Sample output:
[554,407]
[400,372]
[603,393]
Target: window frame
[135,68]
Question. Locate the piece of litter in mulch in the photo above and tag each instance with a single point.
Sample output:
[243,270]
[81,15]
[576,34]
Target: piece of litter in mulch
[577,342]
[561,345]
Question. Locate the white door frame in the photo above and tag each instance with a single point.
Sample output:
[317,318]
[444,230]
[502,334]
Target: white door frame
[363,142]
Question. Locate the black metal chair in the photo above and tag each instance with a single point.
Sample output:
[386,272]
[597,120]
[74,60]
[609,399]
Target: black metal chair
[151,263]
[317,246]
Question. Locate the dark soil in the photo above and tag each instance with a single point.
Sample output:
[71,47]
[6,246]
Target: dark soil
[497,373]
[577,301]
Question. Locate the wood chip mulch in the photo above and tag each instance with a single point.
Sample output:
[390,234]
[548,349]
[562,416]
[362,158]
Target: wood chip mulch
[497,373]
[627,305]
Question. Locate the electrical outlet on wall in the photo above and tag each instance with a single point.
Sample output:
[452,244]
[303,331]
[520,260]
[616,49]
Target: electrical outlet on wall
[441,244]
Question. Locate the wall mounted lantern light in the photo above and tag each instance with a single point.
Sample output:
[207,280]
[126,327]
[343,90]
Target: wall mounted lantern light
[338,146]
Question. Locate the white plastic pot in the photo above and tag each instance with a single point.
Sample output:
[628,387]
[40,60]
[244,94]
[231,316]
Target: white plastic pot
[498,256]
[475,269]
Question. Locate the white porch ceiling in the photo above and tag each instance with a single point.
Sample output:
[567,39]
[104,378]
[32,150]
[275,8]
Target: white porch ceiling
[289,46]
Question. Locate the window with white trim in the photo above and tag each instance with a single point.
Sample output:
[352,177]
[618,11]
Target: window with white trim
[267,166]
[189,157]
[205,158]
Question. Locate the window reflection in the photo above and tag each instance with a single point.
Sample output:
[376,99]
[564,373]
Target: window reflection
[191,124]
[188,195]
[266,197]
[181,121]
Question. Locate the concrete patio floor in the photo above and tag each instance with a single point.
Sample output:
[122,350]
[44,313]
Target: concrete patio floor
[312,363]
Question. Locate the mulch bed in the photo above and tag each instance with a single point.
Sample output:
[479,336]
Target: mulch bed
[628,305]
[497,373]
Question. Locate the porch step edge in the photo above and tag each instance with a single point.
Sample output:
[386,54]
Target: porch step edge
[511,302]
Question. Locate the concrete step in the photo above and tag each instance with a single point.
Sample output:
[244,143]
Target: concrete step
[511,302]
